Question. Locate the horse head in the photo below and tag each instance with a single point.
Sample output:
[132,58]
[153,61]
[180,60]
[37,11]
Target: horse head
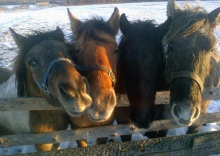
[43,67]
[141,66]
[189,45]
[96,45]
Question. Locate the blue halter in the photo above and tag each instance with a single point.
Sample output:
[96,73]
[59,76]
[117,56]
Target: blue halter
[43,85]
[84,70]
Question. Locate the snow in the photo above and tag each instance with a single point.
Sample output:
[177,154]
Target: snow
[24,21]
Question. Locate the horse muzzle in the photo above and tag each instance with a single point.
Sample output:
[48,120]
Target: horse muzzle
[184,115]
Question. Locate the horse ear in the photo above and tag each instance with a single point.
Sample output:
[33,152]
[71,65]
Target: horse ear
[59,34]
[75,22]
[171,8]
[113,21]
[214,18]
[124,24]
[19,39]
[164,27]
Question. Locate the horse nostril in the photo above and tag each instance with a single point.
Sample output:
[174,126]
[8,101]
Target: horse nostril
[87,85]
[185,113]
[112,99]
[196,114]
[176,110]
[66,91]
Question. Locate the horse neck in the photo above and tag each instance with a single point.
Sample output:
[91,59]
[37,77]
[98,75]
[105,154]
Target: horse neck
[213,79]
[8,88]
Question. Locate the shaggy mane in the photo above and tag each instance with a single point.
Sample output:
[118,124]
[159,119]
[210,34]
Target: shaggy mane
[90,30]
[186,22]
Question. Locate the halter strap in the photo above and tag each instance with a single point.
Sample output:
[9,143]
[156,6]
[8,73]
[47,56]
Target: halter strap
[187,74]
[84,69]
[87,69]
[43,85]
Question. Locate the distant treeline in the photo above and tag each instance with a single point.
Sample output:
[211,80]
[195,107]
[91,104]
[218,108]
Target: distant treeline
[69,2]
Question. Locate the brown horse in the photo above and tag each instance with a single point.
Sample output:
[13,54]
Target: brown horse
[193,62]
[140,70]
[43,68]
[96,45]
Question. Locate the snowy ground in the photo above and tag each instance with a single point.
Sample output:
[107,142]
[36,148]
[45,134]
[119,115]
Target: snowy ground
[48,19]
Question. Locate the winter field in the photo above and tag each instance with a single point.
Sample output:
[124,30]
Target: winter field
[24,21]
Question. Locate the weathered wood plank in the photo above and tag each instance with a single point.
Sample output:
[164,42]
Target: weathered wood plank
[172,146]
[21,104]
[94,132]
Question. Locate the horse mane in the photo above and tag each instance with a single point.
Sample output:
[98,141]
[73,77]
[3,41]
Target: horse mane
[186,22]
[144,30]
[91,28]
[30,41]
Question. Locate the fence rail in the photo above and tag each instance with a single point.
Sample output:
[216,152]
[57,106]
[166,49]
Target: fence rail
[200,140]
[95,132]
[201,144]
[25,104]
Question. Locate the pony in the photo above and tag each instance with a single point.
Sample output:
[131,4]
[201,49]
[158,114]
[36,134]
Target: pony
[192,60]
[97,49]
[140,67]
[97,56]
[43,68]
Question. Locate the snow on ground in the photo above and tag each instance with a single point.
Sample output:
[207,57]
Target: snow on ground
[25,21]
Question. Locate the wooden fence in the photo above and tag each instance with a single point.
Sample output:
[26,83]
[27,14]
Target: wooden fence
[193,144]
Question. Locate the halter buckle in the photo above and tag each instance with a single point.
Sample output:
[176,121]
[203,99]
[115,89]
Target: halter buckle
[45,88]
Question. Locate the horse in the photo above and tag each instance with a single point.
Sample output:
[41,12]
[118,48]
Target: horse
[97,56]
[192,60]
[43,68]
[140,67]
[97,49]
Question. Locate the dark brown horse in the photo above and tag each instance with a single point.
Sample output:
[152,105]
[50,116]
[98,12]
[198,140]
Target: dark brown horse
[193,62]
[96,45]
[43,68]
[140,70]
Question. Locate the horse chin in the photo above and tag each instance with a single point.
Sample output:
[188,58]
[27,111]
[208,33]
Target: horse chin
[73,113]
[183,122]
[97,118]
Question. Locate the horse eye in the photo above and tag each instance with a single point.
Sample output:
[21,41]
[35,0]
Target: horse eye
[32,63]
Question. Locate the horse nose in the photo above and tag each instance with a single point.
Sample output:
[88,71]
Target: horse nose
[66,91]
[142,120]
[185,115]
[87,85]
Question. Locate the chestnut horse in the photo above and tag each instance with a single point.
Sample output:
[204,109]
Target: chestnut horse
[192,59]
[43,68]
[140,69]
[96,45]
